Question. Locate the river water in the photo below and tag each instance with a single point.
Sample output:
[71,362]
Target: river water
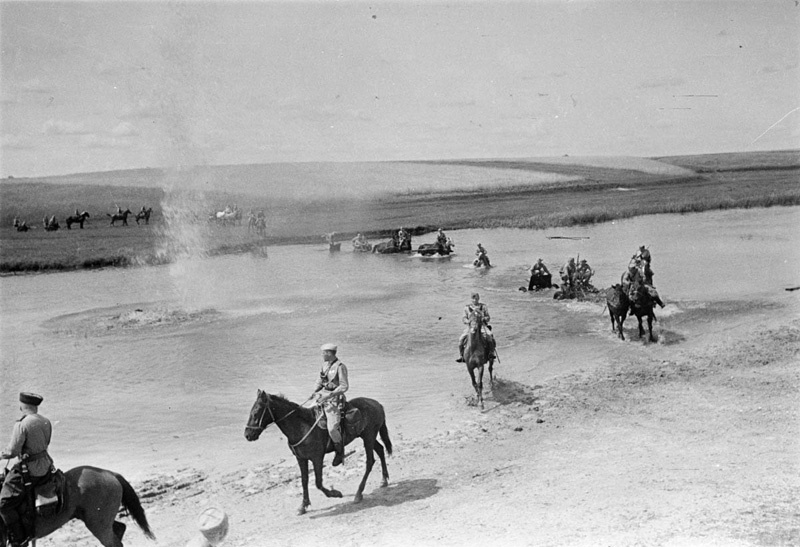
[156,368]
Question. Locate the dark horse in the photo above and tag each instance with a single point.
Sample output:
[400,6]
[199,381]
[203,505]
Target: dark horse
[430,249]
[94,496]
[642,305]
[617,303]
[144,215]
[309,442]
[123,216]
[477,352]
[79,219]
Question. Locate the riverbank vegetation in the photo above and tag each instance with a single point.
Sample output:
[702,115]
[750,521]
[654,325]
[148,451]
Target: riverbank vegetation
[584,194]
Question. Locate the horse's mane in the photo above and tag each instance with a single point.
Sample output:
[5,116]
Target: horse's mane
[294,407]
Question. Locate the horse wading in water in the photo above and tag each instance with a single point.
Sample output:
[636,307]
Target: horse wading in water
[77,219]
[94,496]
[642,305]
[308,441]
[617,303]
[477,352]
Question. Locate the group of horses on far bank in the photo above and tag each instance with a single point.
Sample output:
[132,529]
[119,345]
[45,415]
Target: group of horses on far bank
[51,223]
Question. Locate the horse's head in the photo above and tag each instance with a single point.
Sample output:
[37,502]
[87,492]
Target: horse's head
[260,417]
[476,322]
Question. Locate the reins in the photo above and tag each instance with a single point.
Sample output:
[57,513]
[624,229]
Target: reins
[267,407]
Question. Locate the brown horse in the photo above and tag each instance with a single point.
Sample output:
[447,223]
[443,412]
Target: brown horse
[477,352]
[94,496]
[123,216]
[144,215]
[617,303]
[77,219]
[307,441]
[642,305]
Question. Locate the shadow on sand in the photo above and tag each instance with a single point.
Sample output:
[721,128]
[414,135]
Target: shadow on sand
[394,494]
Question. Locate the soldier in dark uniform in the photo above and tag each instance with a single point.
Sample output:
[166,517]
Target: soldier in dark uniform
[30,439]
[331,386]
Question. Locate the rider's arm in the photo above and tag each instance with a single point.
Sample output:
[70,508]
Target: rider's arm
[486,317]
[467,313]
[14,449]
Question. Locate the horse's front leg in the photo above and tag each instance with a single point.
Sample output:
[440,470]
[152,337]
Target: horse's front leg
[479,386]
[650,327]
[369,446]
[641,327]
[303,463]
[317,463]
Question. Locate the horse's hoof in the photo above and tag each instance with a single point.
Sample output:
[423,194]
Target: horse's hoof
[301,511]
[385,483]
[333,493]
[358,498]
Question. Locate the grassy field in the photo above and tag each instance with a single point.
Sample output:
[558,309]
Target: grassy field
[527,194]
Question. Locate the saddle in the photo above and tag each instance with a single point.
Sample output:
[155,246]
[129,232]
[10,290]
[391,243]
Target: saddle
[50,495]
[352,421]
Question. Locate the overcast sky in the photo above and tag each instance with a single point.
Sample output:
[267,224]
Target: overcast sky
[116,85]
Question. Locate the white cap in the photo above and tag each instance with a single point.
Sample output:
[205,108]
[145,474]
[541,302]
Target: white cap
[328,347]
[213,524]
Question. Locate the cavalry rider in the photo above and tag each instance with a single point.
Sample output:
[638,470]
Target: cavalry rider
[30,439]
[567,272]
[643,254]
[480,252]
[441,240]
[476,307]
[584,273]
[332,383]
[539,271]
[631,277]
[403,239]
[360,241]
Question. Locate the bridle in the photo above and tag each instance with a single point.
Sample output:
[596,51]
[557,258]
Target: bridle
[267,407]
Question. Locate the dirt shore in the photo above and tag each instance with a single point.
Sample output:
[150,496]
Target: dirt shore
[663,444]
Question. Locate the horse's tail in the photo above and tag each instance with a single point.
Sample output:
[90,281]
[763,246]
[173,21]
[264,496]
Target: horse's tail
[387,442]
[130,501]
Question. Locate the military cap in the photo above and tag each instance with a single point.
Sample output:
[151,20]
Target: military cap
[30,398]
[328,347]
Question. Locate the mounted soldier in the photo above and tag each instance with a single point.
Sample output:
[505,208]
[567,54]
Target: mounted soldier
[30,439]
[331,386]
[583,274]
[540,276]
[476,307]
[441,240]
[482,257]
[567,273]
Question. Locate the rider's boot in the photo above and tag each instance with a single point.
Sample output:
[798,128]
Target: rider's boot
[460,353]
[339,448]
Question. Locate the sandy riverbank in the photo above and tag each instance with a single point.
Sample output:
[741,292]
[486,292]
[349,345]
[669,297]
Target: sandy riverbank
[665,444]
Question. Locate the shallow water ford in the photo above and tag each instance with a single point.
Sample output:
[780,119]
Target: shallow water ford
[160,394]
